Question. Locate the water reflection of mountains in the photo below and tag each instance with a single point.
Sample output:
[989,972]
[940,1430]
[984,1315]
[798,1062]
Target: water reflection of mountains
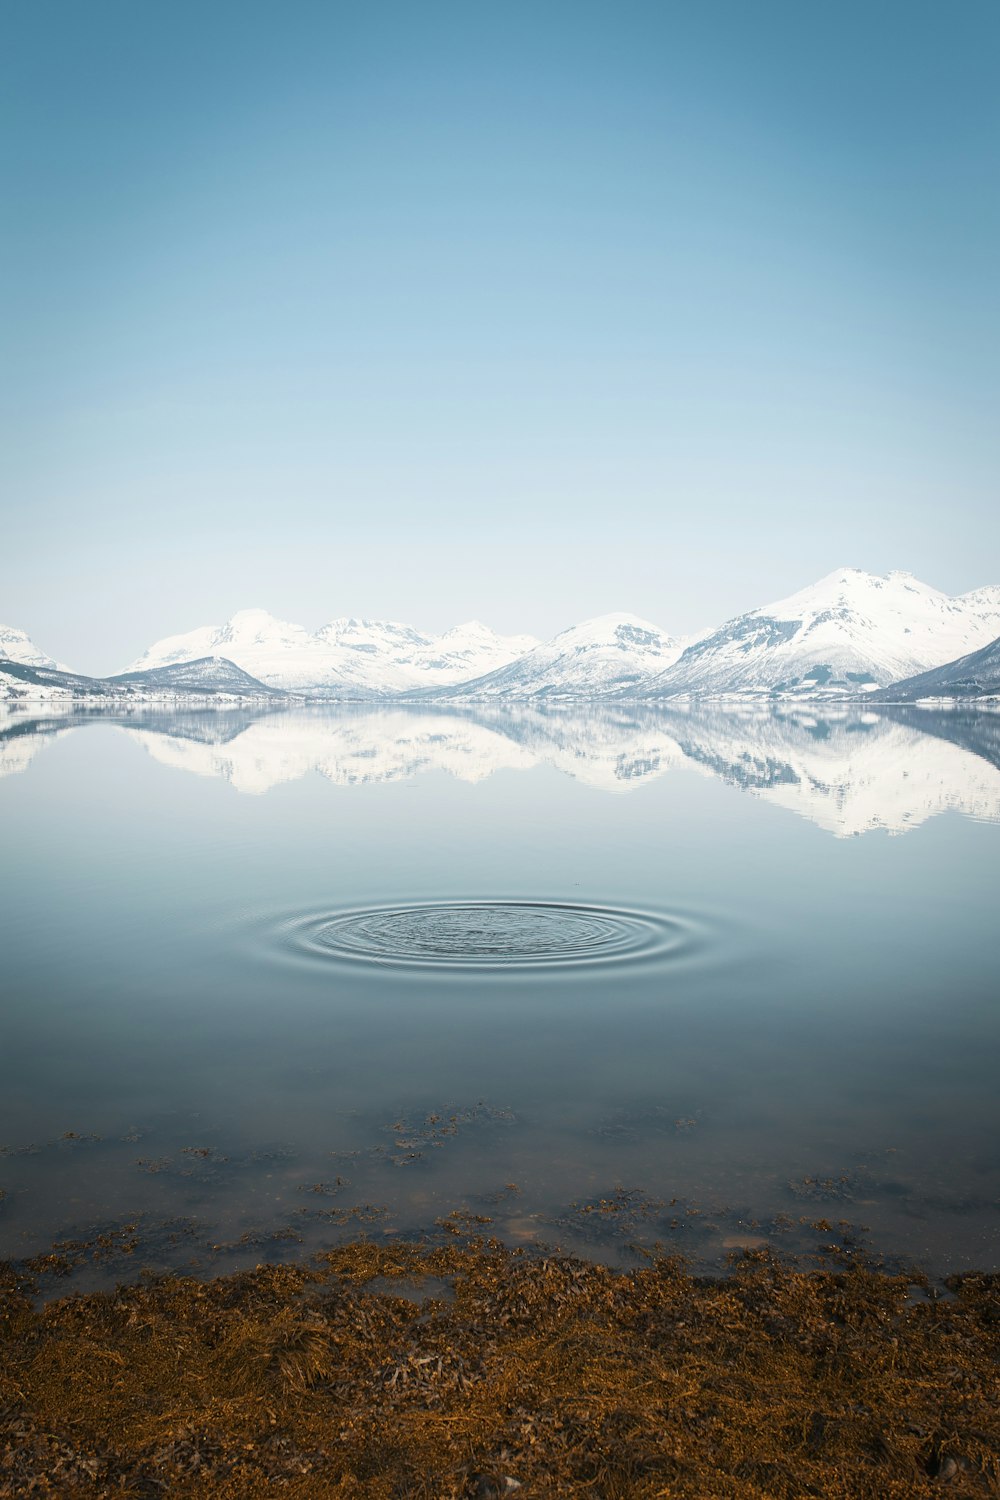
[849,771]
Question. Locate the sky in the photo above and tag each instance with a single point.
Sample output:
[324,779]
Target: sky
[523,312]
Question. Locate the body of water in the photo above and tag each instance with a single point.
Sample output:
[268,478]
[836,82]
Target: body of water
[599,978]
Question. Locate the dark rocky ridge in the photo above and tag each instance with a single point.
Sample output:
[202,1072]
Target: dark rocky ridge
[210,676]
[974,676]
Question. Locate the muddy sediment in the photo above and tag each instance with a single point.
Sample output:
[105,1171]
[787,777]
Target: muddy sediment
[474,1369]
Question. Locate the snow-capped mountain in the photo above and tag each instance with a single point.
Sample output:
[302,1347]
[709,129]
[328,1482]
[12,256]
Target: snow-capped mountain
[850,632]
[606,655]
[253,639]
[382,656]
[347,657]
[16,645]
[974,676]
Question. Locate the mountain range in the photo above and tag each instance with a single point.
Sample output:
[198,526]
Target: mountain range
[367,656]
[850,633]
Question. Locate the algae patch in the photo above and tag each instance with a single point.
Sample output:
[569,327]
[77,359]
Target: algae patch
[520,1370]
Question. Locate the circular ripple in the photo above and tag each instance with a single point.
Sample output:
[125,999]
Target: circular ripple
[489,935]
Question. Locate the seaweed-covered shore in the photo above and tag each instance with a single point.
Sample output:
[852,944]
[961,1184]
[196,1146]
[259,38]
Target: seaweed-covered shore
[474,1369]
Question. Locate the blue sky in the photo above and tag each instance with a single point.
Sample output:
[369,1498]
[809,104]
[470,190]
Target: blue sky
[525,312]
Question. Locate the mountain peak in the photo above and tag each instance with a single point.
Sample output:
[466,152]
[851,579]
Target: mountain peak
[860,576]
[470,627]
[853,588]
[617,629]
[849,632]
[253,617]
[17,645]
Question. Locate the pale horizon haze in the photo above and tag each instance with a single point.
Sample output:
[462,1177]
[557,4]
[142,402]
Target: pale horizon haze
[525,313]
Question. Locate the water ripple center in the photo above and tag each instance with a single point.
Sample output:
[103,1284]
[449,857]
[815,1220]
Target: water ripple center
[489,934]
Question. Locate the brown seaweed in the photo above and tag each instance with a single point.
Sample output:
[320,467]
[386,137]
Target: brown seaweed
[539,1374]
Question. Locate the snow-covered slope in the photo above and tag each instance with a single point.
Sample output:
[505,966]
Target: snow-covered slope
[985,600]
[347,657]
[16,645]
[468,651]
[850,632]
[974,676]
[605,655]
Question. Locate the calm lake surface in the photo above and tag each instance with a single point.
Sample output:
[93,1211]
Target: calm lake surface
[605,979]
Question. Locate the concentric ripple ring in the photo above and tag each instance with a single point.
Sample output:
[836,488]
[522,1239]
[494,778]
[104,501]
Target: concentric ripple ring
[489,935]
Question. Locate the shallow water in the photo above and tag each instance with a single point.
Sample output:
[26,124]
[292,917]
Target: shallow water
[691,978]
